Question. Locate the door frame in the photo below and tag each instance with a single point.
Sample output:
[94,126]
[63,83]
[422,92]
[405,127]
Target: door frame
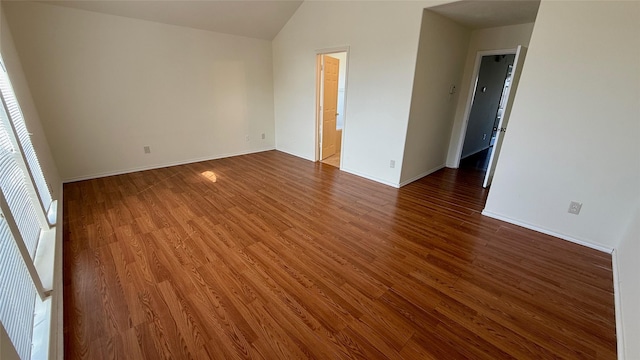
[319,100]
[471,96]
[518,63]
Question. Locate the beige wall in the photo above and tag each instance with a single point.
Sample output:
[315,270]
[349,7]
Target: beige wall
[440,64]
[573,135]
[383,40]
[106,86]
[497,38]
[574,126]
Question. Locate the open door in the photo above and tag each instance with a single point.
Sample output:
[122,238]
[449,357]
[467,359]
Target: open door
[329,105]
[502,125]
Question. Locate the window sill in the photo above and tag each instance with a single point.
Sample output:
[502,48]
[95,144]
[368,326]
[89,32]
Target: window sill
[44,262]
[52,213]
[41,329]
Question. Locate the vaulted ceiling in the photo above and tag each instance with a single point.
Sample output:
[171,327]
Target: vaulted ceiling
[260,19]
[263,19]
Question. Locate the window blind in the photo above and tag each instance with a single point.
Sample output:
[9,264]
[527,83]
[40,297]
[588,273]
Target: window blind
[17,293]
[13,184]
[24,140]
[17,289]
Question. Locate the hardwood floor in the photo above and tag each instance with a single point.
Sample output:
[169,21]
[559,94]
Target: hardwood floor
[333,160]
[267,256]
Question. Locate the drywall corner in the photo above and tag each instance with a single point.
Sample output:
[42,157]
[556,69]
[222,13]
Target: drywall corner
[439,66]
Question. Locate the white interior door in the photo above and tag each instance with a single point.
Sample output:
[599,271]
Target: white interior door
[502,126]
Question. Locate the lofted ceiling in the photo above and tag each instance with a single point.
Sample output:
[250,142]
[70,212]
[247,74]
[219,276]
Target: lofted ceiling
[261,19]
[480,14]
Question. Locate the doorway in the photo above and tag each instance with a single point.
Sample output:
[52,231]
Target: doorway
[330,112]
[495,78]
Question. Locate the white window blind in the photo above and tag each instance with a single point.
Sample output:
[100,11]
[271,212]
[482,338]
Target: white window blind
[25,200]
[17,293]
[24,141]
[13,184]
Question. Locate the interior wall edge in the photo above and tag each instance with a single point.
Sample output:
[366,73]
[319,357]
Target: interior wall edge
[370,177]
[162,165]
[293,153]
[421,175]
[549,232]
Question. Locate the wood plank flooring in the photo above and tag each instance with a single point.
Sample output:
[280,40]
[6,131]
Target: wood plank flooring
[333,160]
[267,256]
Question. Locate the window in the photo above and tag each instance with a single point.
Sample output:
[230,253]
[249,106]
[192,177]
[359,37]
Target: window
[24,142]
[27,214]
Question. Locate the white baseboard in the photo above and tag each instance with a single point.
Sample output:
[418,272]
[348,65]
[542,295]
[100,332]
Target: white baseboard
[617,297]
[548,232]
[369,177]
[350,171]
[420,176]
[163,165]
[294,154]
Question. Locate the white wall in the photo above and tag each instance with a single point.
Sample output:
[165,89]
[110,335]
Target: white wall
[383,39]
[629,288]
[41,146]
[497,38]
[106,86]
[440,64]
[573,133]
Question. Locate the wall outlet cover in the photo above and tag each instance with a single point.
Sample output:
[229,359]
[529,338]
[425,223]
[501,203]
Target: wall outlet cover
[574,208]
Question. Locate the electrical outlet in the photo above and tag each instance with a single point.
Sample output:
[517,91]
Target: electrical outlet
[147,150]
[246,137]
[574,208]
[263,137]
[392,164]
